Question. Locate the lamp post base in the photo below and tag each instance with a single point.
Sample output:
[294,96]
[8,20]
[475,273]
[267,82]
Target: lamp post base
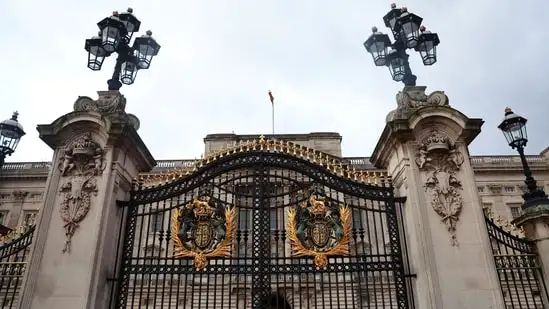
[409,80]
[114,84]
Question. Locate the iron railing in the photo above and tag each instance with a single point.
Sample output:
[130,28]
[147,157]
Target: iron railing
[14,251]
[518,268]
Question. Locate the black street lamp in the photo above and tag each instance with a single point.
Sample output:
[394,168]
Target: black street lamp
[11,132]
[115,33]
[406,28]
[513,127]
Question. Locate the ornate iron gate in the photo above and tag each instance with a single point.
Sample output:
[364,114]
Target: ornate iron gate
[266,224]
[14,250]
[518,268]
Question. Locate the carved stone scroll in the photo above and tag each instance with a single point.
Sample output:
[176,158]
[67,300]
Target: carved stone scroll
[108,103]
[82,162]
[413,98]
[439,158]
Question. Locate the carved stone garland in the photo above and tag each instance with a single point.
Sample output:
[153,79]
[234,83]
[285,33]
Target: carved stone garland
[82,162]
[440,159]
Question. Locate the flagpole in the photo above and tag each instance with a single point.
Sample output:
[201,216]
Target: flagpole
[271,97]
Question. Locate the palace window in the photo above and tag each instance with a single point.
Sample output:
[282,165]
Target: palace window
[516,210]
[156,222]
[274,218]
[29,217]
[480,189]
[3,215]
[357,220]
[243,219]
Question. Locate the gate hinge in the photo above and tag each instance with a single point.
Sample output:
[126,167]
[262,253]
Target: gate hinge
[112,279]
[120,203]
[410,276]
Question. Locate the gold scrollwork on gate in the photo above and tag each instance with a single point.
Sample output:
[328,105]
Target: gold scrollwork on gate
[319,230]
[202,230]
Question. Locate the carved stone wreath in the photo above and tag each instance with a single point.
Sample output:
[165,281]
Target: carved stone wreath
[440,159]
[82,161]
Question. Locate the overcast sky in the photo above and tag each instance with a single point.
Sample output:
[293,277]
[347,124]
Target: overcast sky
[219,58]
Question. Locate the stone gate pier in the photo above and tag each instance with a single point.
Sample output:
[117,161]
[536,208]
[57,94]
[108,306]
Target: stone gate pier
[97,153]
[424,148]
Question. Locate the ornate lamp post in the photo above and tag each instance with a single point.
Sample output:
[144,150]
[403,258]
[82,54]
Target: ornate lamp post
[406,28]
[513,127]
[11,132]
[115,33]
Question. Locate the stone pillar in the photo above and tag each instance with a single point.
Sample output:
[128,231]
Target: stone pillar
[535,222]
[424,148]
[97,153]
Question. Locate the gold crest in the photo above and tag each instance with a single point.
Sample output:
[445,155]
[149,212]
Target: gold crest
[201,231]
[319,231]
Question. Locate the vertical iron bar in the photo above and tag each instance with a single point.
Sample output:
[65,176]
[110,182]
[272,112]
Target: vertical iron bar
[396,254]
[119,243]
[405,254]
[261,240]
[124,274]
[358,213]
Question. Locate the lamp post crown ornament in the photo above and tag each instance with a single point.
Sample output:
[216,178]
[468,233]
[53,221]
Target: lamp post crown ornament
[406,28]
[115,34]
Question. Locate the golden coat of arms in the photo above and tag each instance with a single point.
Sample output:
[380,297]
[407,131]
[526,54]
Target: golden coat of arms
[319,230]
[201,230]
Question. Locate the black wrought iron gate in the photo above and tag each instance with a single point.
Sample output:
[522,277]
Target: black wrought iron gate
[14,253]
[268,225]
[518,267]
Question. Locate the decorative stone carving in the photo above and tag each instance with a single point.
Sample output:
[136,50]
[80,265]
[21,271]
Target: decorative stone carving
[415,97]
[412,98]
[77,193]
[109,102]
[81,164]
[440,159]
[19,196]
[494,189]
[83,156]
